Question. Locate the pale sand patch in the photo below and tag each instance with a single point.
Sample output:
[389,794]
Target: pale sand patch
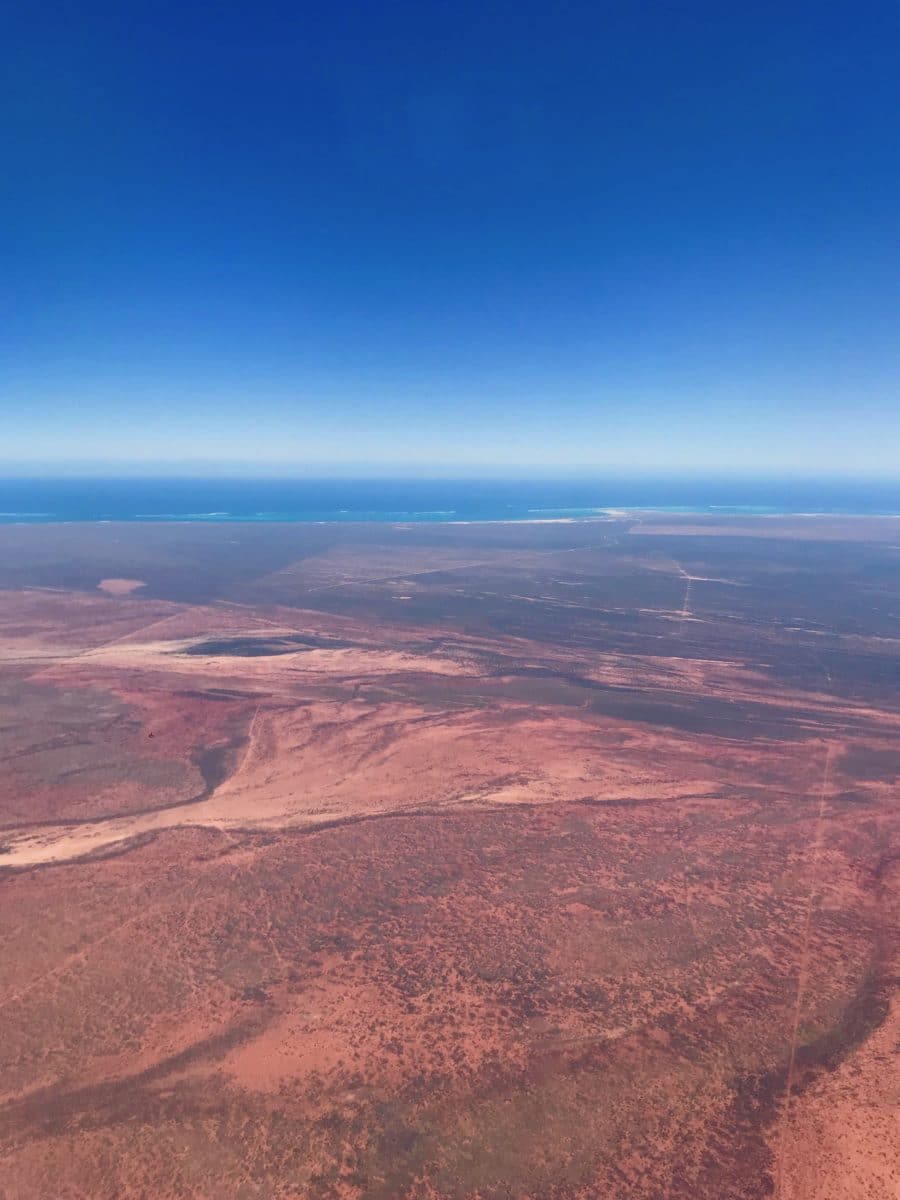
[336,761]
[120,587]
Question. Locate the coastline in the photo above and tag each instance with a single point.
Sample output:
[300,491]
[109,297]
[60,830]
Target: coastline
[601,516]
[338,502]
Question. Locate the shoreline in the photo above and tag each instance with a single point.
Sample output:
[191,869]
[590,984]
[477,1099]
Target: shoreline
[601,517]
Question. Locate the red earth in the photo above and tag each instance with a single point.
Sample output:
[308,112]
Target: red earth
[461,862]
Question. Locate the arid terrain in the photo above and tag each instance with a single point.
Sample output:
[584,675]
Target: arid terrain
[447,862]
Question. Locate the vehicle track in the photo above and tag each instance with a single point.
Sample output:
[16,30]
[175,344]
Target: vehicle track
[803,971]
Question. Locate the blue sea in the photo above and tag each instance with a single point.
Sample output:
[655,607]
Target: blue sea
[36,501]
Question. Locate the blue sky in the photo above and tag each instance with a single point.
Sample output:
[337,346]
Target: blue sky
[427,237]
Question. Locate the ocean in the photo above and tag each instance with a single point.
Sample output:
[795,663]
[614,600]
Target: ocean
[36,501]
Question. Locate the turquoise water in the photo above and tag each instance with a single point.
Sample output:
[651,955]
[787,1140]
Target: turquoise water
[37,501]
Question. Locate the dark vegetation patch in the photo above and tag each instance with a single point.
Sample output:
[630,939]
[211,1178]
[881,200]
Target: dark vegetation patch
[89,743]
[866,763]
[260,647]
[214,764]
[102,1105]
[217,694]
[688,711]
[739,1162]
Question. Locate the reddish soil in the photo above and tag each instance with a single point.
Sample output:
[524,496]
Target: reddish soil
[474,864]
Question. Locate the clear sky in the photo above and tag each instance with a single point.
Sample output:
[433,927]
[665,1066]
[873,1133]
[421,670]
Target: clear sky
[451,236]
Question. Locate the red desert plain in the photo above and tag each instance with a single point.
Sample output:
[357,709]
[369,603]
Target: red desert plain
[450,862]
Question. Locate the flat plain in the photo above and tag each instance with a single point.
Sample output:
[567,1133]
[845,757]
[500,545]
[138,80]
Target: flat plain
[551,860]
